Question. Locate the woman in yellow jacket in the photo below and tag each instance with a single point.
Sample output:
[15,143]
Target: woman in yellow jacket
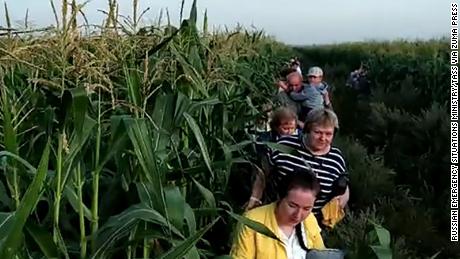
[290,219]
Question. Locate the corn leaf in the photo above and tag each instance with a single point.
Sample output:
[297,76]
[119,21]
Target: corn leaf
[175,205]
[207,195]
[72,197]
[199,138]
[77,100]
[254,225]
[163,116]
[383,235]
[43,239]
[133,83]
[183,248]
[119,226]
[143,148]
[13,240]
[6,219]
[190,220]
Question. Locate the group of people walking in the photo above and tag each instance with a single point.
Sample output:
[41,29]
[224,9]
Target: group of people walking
[302,189]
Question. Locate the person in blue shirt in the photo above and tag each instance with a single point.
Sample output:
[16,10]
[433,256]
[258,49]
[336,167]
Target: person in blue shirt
[313,95]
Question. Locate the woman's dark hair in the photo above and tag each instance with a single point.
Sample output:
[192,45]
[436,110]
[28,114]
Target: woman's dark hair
[299,178]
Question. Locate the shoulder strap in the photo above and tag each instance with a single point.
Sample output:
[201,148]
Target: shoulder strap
[298,232]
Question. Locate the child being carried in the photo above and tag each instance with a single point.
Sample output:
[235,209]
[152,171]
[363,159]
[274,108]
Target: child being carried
[313,95]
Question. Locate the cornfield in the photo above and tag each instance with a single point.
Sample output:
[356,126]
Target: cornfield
[119,142]
[123,141]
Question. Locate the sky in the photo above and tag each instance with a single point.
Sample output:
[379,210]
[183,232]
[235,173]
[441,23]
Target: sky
[297,22]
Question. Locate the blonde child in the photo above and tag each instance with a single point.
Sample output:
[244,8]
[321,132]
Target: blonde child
[284,122]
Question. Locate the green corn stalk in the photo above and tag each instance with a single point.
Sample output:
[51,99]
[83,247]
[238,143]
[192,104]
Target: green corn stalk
[96,175]
[146,245]
[81,213]
[58,191]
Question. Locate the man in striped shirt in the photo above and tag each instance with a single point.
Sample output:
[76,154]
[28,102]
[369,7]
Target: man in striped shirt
[313,150]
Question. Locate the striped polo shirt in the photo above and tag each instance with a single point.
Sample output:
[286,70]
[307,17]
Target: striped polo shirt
[327,167]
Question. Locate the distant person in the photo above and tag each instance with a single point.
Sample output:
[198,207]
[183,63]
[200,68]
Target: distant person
[358,80]
[289,218]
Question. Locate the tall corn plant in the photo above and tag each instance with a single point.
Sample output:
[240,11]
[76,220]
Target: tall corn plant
[13,224]
[161,127]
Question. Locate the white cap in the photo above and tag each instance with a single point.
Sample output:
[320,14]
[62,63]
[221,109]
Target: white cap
[315,71]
